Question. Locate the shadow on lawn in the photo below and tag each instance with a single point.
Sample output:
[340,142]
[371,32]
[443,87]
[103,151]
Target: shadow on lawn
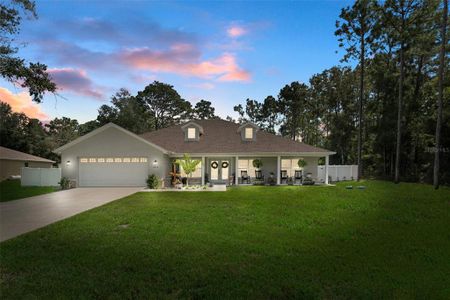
[327,243]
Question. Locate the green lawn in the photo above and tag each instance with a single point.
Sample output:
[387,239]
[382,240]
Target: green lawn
[388,241]
[11,190]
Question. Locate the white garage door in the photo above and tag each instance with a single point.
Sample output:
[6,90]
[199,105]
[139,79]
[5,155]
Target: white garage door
[113,171]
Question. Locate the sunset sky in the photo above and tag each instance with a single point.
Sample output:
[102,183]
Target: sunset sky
[224,52]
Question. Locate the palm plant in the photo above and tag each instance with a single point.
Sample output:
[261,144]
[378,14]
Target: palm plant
[188,164]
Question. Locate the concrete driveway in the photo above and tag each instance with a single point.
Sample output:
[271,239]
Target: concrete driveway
[24,215]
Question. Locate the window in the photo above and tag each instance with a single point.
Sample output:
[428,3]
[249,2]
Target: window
[290,165]
[109,160]
[135,159]
[117,160]
[248,133]
[126,159]
[246,165]
[101,160]
[83,160]
[191,134]
[92,160]
[143,159]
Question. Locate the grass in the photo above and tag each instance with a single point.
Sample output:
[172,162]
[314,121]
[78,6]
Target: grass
[388,241]
[11,190]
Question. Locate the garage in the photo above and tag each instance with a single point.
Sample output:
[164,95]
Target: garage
[112,171]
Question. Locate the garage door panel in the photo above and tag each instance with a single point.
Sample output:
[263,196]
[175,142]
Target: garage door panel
[113,174]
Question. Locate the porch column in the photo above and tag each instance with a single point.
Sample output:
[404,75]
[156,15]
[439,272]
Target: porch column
[278,169]
[236,170]
[327,160]
[203,170]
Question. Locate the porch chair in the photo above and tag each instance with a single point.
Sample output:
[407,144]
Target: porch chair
[245,177]
[298,176]
[284,176]
[259,176]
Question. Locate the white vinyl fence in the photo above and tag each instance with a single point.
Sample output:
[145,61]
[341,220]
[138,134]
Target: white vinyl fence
[40,176]
[338,172]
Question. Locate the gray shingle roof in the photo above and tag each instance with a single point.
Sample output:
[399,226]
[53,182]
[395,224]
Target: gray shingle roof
[10,154]
[221,136]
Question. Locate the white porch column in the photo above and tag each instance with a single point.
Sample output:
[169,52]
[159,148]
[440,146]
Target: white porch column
[236,170]
[278,169]
[327,160]
[203,170]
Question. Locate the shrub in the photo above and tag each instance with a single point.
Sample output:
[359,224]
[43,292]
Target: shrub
[152,182]
[64,183]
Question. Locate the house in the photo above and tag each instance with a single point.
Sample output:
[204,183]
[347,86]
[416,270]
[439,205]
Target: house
[113,156]
[12,161]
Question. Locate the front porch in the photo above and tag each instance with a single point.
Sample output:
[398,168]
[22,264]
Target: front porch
[274,170]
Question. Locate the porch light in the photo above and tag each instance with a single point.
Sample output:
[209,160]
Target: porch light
[68,163]
[155,163]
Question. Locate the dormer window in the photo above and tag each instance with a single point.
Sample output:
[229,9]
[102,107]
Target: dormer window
[192,131]
[248,133]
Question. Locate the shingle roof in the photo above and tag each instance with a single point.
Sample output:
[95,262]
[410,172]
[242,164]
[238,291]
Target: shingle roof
[10,154]
[222,136]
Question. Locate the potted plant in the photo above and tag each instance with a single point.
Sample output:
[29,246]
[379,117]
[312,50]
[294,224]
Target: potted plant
[257,163]
[188,164]
[301,163]
[271,180]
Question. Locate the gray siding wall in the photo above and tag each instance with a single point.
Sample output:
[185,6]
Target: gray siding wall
[113,143]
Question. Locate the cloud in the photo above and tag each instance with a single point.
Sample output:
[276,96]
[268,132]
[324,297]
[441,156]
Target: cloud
[184,59]
[22,103]
[236,31]
[76,81]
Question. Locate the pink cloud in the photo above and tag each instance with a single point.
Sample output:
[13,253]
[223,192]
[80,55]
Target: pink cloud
[236,31]
[203,85]
[76,81]
[22,103]
[185,60]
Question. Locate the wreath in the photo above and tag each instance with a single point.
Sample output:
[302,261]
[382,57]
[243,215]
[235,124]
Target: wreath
[225,165]
[214,165]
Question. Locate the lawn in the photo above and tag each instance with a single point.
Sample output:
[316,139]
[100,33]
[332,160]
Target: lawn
[11,190]
[388,241]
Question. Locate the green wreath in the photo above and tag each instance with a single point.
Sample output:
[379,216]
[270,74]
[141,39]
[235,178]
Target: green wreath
[214,165]
[225,165]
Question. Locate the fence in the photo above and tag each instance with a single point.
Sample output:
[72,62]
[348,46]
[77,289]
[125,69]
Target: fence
[338,172]
[40,176]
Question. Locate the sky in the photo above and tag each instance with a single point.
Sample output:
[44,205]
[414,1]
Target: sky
[223,52]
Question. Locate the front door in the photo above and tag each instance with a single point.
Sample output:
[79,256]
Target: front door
[220,170]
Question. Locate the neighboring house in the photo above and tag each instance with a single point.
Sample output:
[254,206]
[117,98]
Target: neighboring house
[113,156]
[12,161]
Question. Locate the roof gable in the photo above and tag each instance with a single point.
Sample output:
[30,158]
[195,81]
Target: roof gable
[100,130]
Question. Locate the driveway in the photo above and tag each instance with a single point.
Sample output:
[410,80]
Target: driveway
[24,215]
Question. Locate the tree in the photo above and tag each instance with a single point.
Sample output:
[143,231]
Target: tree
[355,33]
[188,164]
[203,110]
[270,114]
[164,103]
[12,68]
[441,93]
[399,18]
[63,130]
[293,103]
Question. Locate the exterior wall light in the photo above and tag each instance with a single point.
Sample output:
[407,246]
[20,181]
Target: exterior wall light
[68,163]
[155,163]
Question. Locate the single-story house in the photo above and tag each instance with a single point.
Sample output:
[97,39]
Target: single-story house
[114,156]
[12,161]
